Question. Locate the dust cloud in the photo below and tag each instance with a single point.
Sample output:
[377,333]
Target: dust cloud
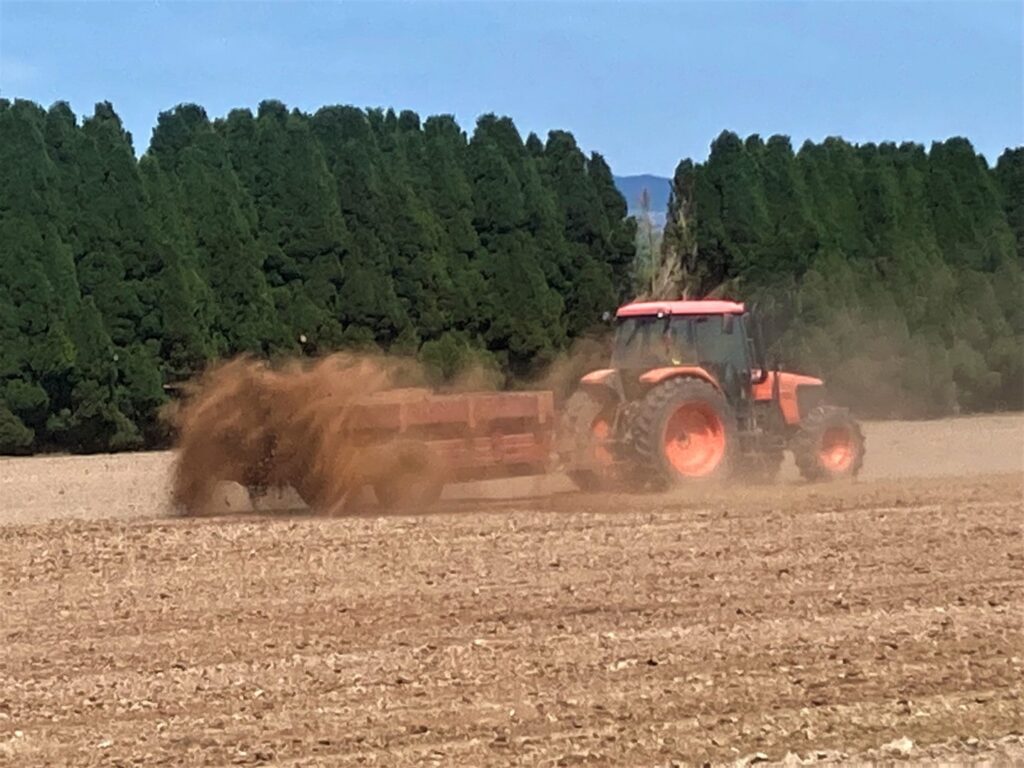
[290,425]
[563,374]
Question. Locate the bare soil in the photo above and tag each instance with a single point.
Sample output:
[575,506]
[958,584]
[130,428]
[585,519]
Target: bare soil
[873,621]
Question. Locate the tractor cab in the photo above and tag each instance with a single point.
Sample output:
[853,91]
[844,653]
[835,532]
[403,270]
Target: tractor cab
[712,336]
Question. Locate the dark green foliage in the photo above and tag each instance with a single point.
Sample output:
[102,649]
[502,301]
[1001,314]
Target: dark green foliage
[15,437]
[892,271]
[619,245]
[1010,181]
[281,233]
[369,305]
[448,192]
[454,357]
[525,312]
[583,260]
[89,415]
[58,369]
[220,224]
[299,226]
[182,297]
[895,271]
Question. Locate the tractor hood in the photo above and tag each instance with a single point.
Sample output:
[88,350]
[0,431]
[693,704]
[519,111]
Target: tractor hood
[791,388]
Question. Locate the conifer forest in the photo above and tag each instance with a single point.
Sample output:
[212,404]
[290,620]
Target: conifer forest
[893,270]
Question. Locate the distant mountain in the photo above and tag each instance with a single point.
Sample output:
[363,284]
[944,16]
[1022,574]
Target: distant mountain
[657,187]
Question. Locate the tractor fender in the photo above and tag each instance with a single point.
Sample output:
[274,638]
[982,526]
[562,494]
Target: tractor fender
[603,383]
[600,377]
[659,375]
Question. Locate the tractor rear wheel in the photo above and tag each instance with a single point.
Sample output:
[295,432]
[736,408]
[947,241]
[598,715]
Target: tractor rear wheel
[829,445]
[685,432]
[583,432]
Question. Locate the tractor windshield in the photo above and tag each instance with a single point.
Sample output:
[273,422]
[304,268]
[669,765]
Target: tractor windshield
[712,341]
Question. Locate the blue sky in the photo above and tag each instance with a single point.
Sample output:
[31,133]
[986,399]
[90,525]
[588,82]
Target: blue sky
[644,83]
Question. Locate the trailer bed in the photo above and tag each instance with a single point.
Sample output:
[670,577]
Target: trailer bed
[476,435]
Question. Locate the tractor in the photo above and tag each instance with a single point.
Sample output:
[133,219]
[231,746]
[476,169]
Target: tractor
[688,398]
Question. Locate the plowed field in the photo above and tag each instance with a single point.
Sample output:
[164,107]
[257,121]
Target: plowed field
[881,619]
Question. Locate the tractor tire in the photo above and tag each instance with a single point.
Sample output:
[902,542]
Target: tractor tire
[829,446]
[584,423]
[685,433]
[411,478]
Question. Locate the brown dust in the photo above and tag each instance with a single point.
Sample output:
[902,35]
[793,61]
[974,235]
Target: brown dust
[261,426]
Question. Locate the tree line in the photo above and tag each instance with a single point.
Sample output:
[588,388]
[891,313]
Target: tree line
[281,233]
[894,272]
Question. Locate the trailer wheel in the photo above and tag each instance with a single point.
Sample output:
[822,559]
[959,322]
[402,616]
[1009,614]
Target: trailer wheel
[685,433]
[410,478]
[584,429]
[829,446]
[408,493]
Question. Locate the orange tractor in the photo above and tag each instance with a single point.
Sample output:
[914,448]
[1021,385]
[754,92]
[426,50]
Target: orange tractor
[687,397]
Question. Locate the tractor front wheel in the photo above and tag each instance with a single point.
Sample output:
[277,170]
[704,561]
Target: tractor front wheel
[685,433]
[829,445]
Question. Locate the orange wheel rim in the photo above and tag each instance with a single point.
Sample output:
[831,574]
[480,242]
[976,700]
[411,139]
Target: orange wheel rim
[694,440]
[837,451]
[601,429]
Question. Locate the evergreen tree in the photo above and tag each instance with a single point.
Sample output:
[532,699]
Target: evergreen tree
[894,271]
[221,221]
[682,271]
[35,346]
[885,268]
[970,226]
[422,282]
[111,242]
[299,224]
[1010,179]
[450,196]
[184,298]
[526,319]
[369,305]
[622,229]
[585,275]
[791,236]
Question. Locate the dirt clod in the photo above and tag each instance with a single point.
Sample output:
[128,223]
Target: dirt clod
[902,746]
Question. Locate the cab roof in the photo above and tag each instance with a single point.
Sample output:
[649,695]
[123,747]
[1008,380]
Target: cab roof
[692,307]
